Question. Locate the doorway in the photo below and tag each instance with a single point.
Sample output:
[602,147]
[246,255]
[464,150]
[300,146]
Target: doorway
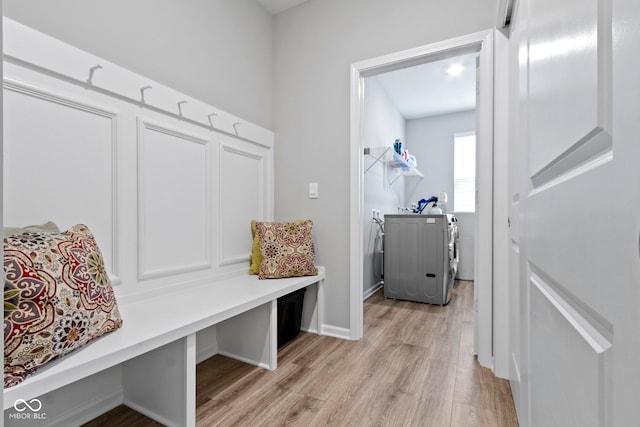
[483,296]
[430,110]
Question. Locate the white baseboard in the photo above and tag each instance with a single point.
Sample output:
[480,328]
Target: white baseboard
[372,290]
[310,330]
[144,411]
[86,412]
[336,332]
[245,360]
[205,353]
[206,343]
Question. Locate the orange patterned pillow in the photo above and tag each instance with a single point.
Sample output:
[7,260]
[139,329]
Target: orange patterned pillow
[57,298]
[287,249]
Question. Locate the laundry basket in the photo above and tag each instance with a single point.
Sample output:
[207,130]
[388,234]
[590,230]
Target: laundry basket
[289,316]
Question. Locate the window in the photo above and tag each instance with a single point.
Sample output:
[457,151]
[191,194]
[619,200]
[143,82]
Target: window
[464,172]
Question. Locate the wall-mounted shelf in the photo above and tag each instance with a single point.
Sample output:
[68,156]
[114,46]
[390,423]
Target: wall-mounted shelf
[392,159]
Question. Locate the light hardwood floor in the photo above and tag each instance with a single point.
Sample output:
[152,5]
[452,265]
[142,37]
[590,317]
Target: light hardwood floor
[414,367]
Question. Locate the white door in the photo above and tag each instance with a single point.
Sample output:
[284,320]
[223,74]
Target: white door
[579,212]
[513,192]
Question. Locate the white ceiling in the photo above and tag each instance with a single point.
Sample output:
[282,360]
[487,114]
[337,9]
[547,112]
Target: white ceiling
[428,90]
[277,6]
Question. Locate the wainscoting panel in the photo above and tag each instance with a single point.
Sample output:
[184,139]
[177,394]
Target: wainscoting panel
[569,375]
[60,164]
[243,193]
[174,204]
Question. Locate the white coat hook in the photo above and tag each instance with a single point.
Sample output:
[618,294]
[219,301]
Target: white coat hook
[211,119]
[142,89]
[235,127]
[180,106]
[91,71]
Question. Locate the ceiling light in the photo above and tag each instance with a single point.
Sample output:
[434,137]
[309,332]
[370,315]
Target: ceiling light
[455,69]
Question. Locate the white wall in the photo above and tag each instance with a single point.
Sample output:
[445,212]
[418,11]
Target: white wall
[218,51]
[382,124]
[315,43]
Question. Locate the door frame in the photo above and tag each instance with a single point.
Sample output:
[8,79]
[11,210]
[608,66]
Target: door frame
[481,42]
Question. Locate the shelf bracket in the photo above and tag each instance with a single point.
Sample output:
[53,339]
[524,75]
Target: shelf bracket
[367,151]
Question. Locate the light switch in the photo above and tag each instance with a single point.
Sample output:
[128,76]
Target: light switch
[313,190]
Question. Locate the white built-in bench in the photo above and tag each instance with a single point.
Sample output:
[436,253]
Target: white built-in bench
[158,235]
[156,346]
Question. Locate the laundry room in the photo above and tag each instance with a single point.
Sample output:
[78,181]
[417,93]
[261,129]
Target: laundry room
[418,133]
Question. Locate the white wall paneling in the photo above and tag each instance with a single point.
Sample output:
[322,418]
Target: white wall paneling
[244,195]
[578,304]
[571,369]
[174,201]
[167,187]
[60,164]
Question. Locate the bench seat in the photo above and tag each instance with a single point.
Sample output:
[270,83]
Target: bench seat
[173,315]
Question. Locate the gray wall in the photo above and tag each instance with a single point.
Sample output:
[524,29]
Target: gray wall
[381,125]
[431,140]
[315,43]
[218,51]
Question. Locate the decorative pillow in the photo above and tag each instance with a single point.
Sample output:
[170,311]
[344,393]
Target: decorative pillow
[57,298]
[256,256]
[287,249]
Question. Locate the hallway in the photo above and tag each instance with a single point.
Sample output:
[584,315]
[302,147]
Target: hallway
[413,368]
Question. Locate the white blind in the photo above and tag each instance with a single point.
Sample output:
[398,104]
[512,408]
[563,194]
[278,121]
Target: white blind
[464,172]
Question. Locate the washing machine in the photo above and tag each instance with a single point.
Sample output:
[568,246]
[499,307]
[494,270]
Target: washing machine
[420,260]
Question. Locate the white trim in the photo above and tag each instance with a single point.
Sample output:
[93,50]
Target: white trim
[501,201]
[228,147]
[483,276]
[336,332]
[483,42]
[112,115]
[372,290]
[144,272]
[148,413]
[356,203]
[32,49]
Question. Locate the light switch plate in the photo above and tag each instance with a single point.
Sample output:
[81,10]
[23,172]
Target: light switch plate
[313,190]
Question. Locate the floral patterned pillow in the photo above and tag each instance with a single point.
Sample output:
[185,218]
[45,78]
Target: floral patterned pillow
[287,249]
[57,298]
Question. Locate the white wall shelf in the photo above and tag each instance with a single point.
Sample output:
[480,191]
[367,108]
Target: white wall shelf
[389,157]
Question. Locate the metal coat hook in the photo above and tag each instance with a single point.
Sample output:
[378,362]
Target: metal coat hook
[210,119]
[235,127]
[142,89]
[180,106]
[91,71]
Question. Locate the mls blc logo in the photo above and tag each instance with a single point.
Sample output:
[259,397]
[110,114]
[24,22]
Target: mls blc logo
[28,410]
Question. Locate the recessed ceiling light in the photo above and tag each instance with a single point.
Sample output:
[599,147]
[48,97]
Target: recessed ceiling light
[455,69]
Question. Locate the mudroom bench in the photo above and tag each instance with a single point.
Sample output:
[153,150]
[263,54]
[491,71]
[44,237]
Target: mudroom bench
[155,350]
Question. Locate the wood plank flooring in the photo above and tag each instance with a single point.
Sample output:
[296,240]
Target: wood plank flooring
[414,367]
